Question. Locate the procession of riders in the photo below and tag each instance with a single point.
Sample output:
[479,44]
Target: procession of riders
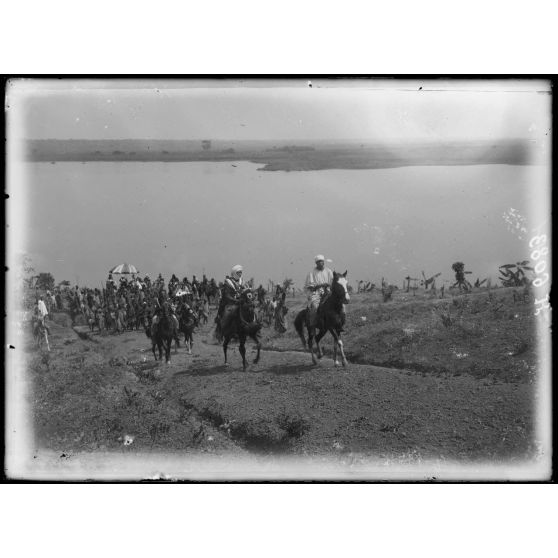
[135,303]
[131,304]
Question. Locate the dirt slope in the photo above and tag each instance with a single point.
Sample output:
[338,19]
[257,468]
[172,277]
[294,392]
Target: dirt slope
[90,393]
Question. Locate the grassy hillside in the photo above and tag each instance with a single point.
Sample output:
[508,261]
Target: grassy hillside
[488,334]
[456,383]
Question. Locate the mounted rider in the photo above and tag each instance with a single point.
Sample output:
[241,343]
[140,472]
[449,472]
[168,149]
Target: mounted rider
[160,302]
[110,285]
[261,292]
[173,285]
[186,312]
[317,285]
[230,295]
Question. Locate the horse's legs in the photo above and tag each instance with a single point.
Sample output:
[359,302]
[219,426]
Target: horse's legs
[311,334]
[225,345]
[258,347]
[242,349]
[153,349]
[318,339]
[335,345]
[302,338]
[341,348]
[335,354]
[168,346]
[338,343]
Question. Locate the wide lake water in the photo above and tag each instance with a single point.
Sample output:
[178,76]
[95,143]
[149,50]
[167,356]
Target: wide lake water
[80,219]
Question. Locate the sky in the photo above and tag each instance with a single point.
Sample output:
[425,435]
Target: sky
[274,109]
[78,220]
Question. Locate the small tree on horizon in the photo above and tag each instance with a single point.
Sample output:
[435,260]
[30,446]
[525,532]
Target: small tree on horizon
[287,283]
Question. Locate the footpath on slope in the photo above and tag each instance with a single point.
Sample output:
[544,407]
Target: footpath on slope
[107,394]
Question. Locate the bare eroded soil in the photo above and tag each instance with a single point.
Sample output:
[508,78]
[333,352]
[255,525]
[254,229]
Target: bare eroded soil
[97,394]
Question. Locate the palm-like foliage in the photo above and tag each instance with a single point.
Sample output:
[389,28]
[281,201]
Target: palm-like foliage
[460,280]
[513,275]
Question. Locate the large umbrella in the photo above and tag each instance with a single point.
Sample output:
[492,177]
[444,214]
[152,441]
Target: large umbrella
[182,292]
[124,269]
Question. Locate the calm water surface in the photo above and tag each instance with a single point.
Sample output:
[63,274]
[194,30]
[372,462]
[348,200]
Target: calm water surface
[83,218]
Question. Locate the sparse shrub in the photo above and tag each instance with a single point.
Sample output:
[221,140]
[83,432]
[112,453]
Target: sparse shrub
[495,306]
[295,426]
[158,429]
[130,397]
[521,346]
[113,426]
[462,304]
[387,292]
[445,316]
[469,329]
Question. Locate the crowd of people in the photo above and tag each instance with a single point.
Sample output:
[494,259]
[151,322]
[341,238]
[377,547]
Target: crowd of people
[134,303]
[131,303]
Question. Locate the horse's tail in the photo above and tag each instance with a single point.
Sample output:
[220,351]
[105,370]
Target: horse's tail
[299,322]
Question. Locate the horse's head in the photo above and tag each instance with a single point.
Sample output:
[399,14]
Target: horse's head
[247,296]
[340,286]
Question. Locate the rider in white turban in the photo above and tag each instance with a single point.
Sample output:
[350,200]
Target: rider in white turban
[236,271]
[317,282]
[230,294]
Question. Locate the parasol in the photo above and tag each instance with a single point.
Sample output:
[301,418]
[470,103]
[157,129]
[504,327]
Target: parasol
[124,269]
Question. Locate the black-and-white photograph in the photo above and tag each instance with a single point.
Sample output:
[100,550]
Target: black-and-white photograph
[278,279]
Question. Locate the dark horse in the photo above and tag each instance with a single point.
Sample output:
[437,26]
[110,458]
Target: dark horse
[188,321]
[211,292]
[330,317]
[241,323]
[163,333]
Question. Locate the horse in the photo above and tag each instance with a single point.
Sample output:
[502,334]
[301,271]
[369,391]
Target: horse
[280,312]
[91,319]
[201,309]
[260,292]
[241,324]
[162,335]
[330,317]
[188,321]
[211,292]
[269,310]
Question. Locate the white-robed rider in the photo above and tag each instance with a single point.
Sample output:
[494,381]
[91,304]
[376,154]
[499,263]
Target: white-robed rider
[320,278]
